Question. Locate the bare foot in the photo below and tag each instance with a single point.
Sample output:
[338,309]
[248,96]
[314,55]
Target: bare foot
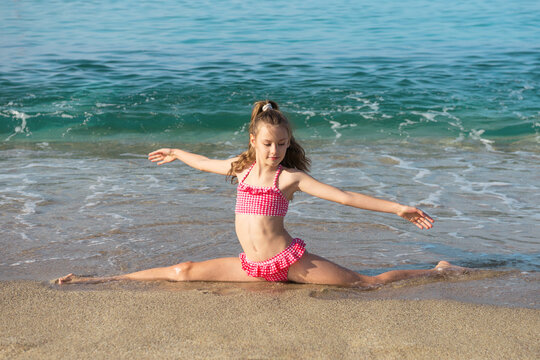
[445,268]
[70,278]
[75,279]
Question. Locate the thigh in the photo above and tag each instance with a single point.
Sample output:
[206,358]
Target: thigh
[314,269]
[221,269]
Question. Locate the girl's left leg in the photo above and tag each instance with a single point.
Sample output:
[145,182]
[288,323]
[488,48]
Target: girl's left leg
[314,269]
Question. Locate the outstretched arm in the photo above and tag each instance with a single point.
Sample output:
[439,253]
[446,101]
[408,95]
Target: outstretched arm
[199,162]
[321,190]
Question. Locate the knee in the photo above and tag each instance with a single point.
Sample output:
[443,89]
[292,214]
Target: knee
[182,271]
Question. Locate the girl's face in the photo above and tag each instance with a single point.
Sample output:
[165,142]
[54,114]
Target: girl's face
[270,144]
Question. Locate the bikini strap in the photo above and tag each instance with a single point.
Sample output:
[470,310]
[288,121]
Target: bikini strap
[247,173]
[277,175]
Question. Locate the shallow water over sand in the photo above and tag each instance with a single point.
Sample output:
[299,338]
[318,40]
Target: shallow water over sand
[68,208]
[429,103]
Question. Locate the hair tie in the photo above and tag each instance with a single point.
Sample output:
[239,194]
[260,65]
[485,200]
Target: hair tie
[267,106]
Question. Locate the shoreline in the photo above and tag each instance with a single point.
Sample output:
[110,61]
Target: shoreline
[209,320]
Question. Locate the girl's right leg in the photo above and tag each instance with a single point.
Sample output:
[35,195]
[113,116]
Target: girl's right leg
[314,269]
[222,269]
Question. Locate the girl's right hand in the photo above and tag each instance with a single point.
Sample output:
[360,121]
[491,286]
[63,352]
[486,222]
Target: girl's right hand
[163,156]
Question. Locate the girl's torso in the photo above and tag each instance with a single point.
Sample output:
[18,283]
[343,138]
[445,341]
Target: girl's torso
[262,203]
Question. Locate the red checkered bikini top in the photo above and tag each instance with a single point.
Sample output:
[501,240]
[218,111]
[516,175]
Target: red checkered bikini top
[261,200]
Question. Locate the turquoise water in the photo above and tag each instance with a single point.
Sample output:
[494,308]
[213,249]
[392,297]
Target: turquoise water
[94,70]
[428,103]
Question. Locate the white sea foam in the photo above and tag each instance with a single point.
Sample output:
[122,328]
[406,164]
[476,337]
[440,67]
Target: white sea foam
[485,188]
[421,173]
[22,128]
[335,126]
[30,201]
[405,123]
[120,220]
[43,165]
[373,105]
[242,129]
[68,130]
[134,155]
[459,139]
[433,199]
[518,94]
[456,235]
[307,113]
[23,262]
[99,191]
[457,123]
[477,135]
[428,116]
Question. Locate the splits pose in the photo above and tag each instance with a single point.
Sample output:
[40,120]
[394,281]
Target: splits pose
[269,172]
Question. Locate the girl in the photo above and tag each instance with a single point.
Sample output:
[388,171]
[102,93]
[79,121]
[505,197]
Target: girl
[269,173]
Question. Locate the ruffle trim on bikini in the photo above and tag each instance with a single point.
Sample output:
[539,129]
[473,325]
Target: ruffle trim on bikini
[281,261]
[256,190]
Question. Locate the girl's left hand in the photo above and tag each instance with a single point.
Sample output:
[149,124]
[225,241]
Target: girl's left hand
[417,217]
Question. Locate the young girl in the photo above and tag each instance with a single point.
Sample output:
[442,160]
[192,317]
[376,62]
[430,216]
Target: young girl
[269,173]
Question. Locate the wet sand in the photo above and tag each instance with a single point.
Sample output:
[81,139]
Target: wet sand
[263,321]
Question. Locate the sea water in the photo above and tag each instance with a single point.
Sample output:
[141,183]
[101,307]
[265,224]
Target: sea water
[431,104]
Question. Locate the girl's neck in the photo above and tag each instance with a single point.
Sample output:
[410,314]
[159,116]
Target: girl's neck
[261,168]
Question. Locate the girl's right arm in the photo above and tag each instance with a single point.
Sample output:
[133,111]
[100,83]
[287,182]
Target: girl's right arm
[199,162]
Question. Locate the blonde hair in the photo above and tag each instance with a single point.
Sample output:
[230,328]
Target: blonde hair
[295,157]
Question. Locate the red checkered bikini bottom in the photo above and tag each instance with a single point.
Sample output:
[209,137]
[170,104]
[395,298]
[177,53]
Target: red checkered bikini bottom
[277,267]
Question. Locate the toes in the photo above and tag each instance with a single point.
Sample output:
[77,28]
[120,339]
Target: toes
[64,279]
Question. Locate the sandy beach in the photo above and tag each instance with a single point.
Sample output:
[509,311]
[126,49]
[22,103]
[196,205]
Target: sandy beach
[429,104]
[255,321]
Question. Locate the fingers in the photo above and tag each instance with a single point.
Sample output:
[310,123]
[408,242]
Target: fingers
[425,215]
[422,226]
[160,151]
[422,223]
[421,220]
[160,155]
[425,223]
[157,156]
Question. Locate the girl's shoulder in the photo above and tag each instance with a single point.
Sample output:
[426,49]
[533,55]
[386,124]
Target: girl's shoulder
[292,174]
[241,172]
[290,170]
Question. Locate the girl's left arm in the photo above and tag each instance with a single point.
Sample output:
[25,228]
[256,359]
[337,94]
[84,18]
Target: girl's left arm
[324,191]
